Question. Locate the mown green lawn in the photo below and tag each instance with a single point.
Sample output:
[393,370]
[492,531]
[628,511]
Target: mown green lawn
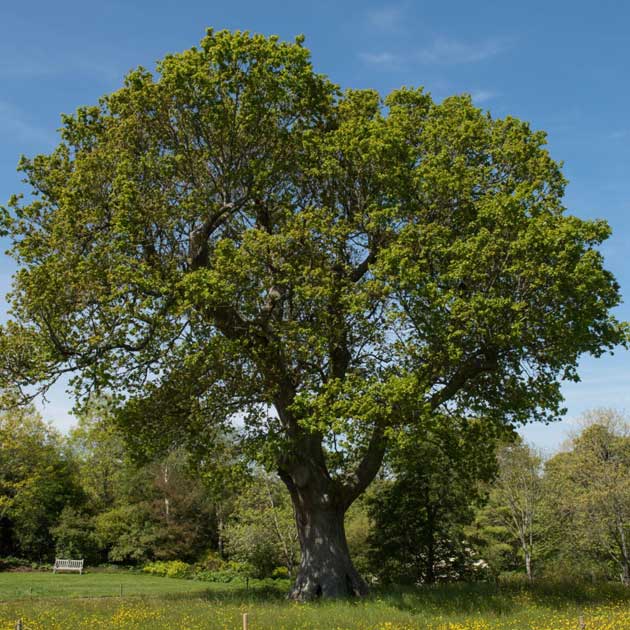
[93,602]
[37,585]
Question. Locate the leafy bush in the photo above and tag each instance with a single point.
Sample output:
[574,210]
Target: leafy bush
[219,577]
[127,532]
[13,563]
[231,571]
[171,568]
[75,537]
[280,573]
[211,561]
[268,584]
[577,568]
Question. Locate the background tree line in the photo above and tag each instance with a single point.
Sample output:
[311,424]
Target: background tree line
[454,501]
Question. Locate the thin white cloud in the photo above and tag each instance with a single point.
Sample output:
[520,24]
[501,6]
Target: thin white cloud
[14,124]
[382,59]
[389,18]
[39,65]
[440,52]
[482,96]
[618,134]
[451,51]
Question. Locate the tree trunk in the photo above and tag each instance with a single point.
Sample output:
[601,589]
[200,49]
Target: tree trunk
[625,559]
[326,569]
[528,566]
[220,533]
[430,574]
[320,503]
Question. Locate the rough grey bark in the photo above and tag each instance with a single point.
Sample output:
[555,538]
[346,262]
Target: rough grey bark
[320,503]
[326,569]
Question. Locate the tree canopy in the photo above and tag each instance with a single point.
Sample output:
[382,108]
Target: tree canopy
[234,237]
[588,492]
[419,516]
[38,478]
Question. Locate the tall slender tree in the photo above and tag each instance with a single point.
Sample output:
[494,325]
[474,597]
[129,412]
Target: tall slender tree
[234,237]
[516,497]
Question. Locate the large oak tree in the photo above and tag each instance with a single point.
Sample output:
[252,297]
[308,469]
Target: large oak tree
[232,241]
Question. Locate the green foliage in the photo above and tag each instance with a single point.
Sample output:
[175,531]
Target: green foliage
[234,233]
[232,572]
[357,525]
[171,568]
[140,511]
[232,236]
[38,479]
[419,515]
[587,500]
[96,503]
[494,545]
[101,453]
[127,533]
[210,561]
[261,531]
[280,573]
[9,562]
[75,536]
[224,573]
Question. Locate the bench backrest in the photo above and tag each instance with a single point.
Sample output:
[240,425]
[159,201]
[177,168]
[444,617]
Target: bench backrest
[68,564]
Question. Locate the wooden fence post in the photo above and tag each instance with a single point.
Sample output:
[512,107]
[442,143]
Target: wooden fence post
[582,624]
[245,621]
[18,625]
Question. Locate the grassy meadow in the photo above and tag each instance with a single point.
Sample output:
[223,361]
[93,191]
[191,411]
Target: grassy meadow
[92,601]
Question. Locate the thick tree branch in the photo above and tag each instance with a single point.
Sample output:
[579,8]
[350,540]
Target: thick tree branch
[467,371]
[367,468]
[361,269]
[198,247]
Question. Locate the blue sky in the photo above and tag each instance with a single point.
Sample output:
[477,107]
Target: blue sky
[562,65]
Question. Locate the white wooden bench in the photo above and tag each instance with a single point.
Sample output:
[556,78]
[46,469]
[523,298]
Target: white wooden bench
[68,565]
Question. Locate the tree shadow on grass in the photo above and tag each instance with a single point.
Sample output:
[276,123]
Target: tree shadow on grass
[446,599]
[559,593]
[442,599]
[500,599]
[234,594]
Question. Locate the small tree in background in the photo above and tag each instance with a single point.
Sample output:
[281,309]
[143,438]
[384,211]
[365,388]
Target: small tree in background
[419,516]
[261,531]
[589,492]
[101,455]
[38,479]
[515,499]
